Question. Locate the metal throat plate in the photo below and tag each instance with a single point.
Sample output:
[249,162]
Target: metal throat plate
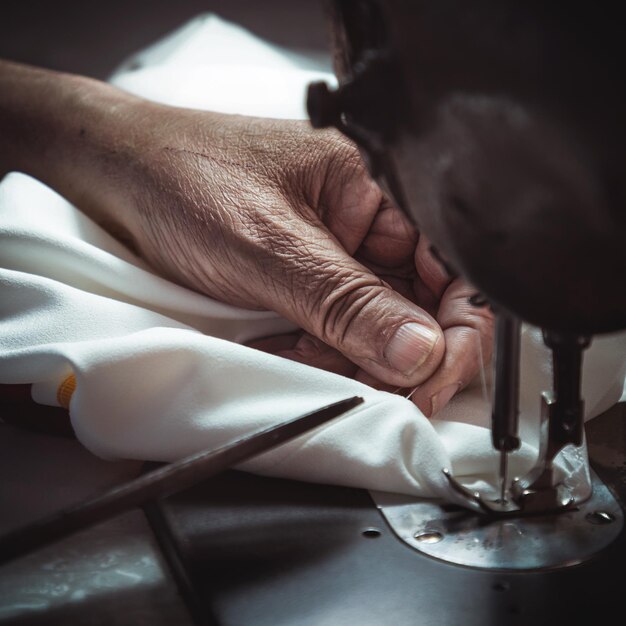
[456,535]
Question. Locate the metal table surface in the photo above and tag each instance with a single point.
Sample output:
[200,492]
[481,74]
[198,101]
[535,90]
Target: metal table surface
[255,551]
[273,552]
[112,574]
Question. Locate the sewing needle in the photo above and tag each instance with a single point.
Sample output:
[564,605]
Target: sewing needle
[504,462]
[504,419]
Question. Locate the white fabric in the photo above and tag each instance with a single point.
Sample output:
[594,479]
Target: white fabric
[161,371]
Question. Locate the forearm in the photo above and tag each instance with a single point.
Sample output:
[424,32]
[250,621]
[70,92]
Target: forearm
[68,131]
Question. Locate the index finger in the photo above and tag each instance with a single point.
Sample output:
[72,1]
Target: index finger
[468,332]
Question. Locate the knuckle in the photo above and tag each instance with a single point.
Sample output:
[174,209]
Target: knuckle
[457,310]
[341,303]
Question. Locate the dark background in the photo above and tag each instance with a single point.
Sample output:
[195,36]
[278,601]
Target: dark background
[93,37]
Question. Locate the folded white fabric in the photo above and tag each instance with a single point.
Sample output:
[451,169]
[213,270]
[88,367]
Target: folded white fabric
[160,370]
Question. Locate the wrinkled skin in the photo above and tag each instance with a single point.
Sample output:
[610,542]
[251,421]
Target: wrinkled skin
[258,213]
[271,214]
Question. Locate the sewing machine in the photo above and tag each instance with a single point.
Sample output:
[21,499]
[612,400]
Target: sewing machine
[497,127]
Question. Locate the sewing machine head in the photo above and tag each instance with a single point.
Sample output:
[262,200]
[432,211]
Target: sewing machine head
[497,126]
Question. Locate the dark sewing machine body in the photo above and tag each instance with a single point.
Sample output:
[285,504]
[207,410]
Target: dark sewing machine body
[498,127]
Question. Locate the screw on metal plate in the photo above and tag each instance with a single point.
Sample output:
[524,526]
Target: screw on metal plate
[600,517]
[428,536]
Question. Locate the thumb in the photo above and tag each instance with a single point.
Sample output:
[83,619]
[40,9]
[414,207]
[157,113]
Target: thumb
[342,303]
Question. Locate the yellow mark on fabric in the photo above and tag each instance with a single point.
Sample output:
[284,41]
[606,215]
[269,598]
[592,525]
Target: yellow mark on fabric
[66,391]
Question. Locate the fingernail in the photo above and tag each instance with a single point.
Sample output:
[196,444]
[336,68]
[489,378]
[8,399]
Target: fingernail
[409,347]
[439,400]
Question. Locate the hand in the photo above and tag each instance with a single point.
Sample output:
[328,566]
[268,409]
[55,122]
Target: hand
[271,214]
[265,214]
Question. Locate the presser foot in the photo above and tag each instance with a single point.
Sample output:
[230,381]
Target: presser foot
[507,539]
[518,499]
